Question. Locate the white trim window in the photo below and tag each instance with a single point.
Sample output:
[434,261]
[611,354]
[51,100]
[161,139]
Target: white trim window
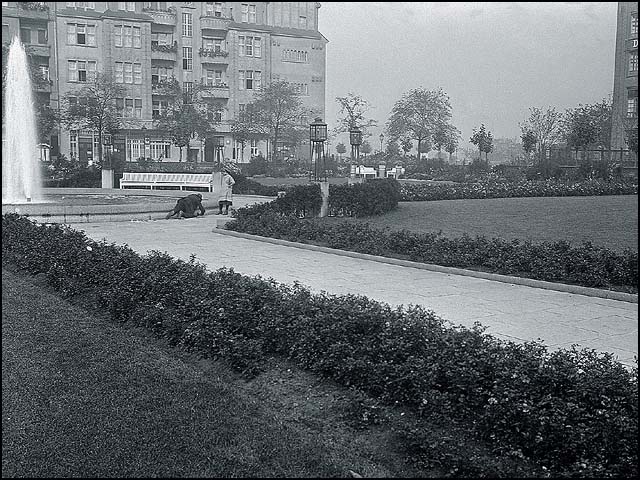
[633,62]
[82,71]
[159,108]
[632,107]
[160,74]
[214,44]
[254,148]
[135,149]
[81,34]
[187,58]
[250,79]
[250,46]
[213,78]
[302,22]
[127,36]
[248,13]
[127,72]
[187,24]
[160,149]
[634,24]
[127,6]
[84,5]
[73,143]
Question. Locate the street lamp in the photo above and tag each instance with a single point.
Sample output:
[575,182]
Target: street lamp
[381,140]
[317,137]
[355,138]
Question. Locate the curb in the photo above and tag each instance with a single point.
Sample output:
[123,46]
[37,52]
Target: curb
[529,282]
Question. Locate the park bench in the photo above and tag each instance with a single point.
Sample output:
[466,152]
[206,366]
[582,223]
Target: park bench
[154,180]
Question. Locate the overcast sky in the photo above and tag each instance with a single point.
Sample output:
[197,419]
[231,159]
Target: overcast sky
[494,60]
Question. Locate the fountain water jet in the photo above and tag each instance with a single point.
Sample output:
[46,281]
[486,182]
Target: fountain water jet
[21,180]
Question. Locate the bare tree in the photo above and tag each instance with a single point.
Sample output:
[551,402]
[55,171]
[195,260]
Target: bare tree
[353,109]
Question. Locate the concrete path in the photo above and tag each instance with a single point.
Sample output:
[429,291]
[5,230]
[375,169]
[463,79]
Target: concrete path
[513,312]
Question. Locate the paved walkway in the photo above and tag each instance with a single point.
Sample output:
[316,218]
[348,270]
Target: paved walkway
[513,312]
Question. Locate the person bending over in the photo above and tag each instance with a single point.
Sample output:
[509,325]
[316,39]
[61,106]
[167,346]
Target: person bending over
[188,207]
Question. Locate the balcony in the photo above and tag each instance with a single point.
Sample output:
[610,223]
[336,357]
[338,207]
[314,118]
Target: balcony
[214,23]
[164,52]
[210,55]
[42,85]
[162,17]
[38,50]
[216,91]
[166,87]
[33,10]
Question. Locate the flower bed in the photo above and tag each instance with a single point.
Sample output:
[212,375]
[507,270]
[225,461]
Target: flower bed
[574,412]
[526,188]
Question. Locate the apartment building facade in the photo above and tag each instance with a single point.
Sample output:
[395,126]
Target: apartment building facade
[233,48]
[625,80]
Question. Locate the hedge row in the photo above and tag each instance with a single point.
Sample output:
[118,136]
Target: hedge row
[573,412]
[373,197]
[585,265]
[411,192]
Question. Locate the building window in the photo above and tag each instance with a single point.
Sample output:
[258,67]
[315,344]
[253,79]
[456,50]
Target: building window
[84,5]
[213,9]
[127,36]
[73,144]
[135,149]
[129,107]
[25,35]
[633,62]
[250,46]
[248,13]
[187,25]
[44,72]
[160,6]
[127,6]
[160,150]
[161,39]
[187,58]
[299,56]
[632,107]
[634,25]
[302,22]
[43,36]
[81,34]
[250,80]
[254,148]
[127,72]
[213,78]
[159,108]
[81,71]
[214,44]
[187,90]
[160,74]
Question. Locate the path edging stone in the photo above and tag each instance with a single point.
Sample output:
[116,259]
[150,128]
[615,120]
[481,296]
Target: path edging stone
[529,282]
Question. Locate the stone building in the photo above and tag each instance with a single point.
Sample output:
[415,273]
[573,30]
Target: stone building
[233,48]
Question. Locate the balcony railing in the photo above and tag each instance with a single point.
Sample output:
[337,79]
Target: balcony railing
[164,52]
[34,10]
[214,23]
[38,50]
[165,87]
[215,91]
[162,17]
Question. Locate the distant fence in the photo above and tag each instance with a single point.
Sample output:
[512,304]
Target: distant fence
[568,157]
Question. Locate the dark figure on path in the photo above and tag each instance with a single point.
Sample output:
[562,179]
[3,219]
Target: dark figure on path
[188,207]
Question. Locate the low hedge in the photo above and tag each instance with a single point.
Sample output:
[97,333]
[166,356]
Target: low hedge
[573,412]
[411,192]
[373,197]
[585,265]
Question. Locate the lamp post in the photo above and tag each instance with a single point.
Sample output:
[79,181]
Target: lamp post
[317,137]
[355,138]
[381,140]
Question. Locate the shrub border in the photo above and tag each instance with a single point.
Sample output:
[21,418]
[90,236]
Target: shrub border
[529,282]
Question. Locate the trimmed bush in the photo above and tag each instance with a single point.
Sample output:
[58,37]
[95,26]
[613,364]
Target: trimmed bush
[574,412]
[373,197]
[585,265]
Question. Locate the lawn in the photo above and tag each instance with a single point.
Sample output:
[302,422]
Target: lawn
[610,221]
[83,397]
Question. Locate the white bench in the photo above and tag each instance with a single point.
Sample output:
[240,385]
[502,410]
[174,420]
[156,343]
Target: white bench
[181,180]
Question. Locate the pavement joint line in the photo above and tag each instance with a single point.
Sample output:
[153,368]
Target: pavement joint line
[528,282]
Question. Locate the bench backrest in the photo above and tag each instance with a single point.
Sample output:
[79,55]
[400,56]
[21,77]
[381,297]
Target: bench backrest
[166,177]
